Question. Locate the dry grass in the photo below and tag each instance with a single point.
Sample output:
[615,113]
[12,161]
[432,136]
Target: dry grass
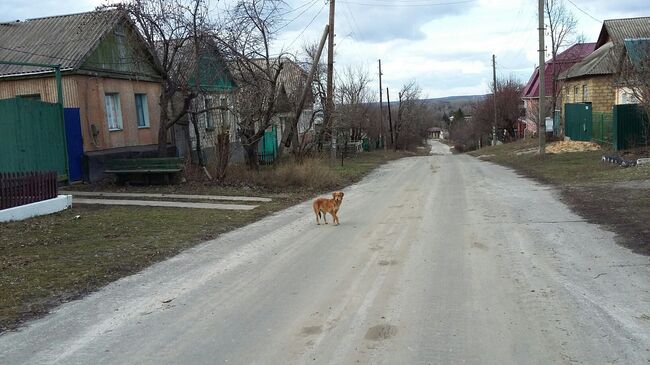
[313,174]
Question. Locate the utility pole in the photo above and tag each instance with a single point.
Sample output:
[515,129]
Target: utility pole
[330,81]
[494,95]
[390,118]
[381,110]
[541,125]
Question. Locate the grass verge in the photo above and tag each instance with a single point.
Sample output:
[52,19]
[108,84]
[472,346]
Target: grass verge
[614,197]
[46,261]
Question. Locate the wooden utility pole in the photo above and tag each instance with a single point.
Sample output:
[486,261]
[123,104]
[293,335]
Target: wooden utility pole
[330,82]
[390,118]
[541,125]
[308,86]
[381,110]
[494,95]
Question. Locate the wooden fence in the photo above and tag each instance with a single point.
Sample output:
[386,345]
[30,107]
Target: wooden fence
[20,188]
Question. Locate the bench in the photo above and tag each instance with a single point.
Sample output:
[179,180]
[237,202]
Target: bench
[141,170]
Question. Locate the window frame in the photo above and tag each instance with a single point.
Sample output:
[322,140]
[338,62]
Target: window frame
[209,120]
[117,109]
[144,105]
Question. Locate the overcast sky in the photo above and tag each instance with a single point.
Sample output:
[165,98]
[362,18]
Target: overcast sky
[445,45]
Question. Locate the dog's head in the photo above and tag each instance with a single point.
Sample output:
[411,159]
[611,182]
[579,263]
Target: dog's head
[338,196]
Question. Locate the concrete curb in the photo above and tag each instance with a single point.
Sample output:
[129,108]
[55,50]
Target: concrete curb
[44,207]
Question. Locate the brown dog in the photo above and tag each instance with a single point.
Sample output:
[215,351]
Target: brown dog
[331,206]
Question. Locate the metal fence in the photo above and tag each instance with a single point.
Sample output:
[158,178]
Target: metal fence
[631,127]
[603,127]
[20,188]
[32,137]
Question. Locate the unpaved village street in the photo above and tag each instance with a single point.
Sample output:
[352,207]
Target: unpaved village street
[442,259]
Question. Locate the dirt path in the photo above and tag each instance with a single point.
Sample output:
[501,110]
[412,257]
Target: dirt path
[441,259]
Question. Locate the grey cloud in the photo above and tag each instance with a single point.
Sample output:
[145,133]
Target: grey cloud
[367,23]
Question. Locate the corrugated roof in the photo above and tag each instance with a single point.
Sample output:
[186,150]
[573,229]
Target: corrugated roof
[64,40]
[564,61]
[609,47]
[616,30]
[601,62]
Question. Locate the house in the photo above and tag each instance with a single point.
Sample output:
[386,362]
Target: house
[108,79]
[594,79]
[290,85]
[211,111]
[557,66]
[434,132]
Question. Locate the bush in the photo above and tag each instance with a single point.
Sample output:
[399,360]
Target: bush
[313,174]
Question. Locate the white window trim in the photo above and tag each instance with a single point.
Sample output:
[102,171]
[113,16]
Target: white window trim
[120,124]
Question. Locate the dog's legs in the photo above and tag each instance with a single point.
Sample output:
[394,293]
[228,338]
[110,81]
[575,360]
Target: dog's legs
[317,218]
[325,217]
[335,218]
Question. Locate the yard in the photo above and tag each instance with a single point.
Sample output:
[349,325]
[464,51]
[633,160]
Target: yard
[606,194]
[53,259]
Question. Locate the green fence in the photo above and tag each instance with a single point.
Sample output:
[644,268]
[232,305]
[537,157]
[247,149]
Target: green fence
[631,126]
[603,127]
[32,137]
[578,124]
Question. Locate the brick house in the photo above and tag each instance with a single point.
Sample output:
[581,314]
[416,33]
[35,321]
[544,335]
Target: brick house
[560,64]
[594,79]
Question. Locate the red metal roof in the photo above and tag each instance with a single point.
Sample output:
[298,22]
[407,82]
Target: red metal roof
[564,61]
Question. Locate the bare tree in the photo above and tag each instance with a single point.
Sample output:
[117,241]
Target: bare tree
[246,40]
[409,127]
[562,26]
[167,28]
[306,138]
[352,97]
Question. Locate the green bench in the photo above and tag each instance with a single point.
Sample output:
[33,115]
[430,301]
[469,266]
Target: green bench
[140,170]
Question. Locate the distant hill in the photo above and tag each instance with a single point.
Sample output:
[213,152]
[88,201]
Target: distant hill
[456,99]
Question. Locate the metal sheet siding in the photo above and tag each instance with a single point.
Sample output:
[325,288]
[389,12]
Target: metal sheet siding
[31,137]
[629,123]
[44,86]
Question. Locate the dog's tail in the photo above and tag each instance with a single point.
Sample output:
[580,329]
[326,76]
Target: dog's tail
[316,210]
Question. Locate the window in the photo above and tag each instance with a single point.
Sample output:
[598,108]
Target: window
[30,96]
[142,110]
[113,111]
[575,94]
[209,120]
[585,93]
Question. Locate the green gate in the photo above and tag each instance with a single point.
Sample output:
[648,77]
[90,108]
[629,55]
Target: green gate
[578,123]
[268,146]
[32,137]
[631,126]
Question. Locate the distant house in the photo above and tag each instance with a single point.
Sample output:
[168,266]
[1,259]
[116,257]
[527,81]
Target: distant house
[564,60]
[108,79]
[594,79]
[212,109]
[434,132]
[290,84]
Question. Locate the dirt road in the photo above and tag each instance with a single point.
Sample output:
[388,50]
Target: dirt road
[441,259]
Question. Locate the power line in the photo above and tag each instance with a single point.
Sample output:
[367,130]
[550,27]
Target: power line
[310,5]
[584,12]
[310,23]
[407,4]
